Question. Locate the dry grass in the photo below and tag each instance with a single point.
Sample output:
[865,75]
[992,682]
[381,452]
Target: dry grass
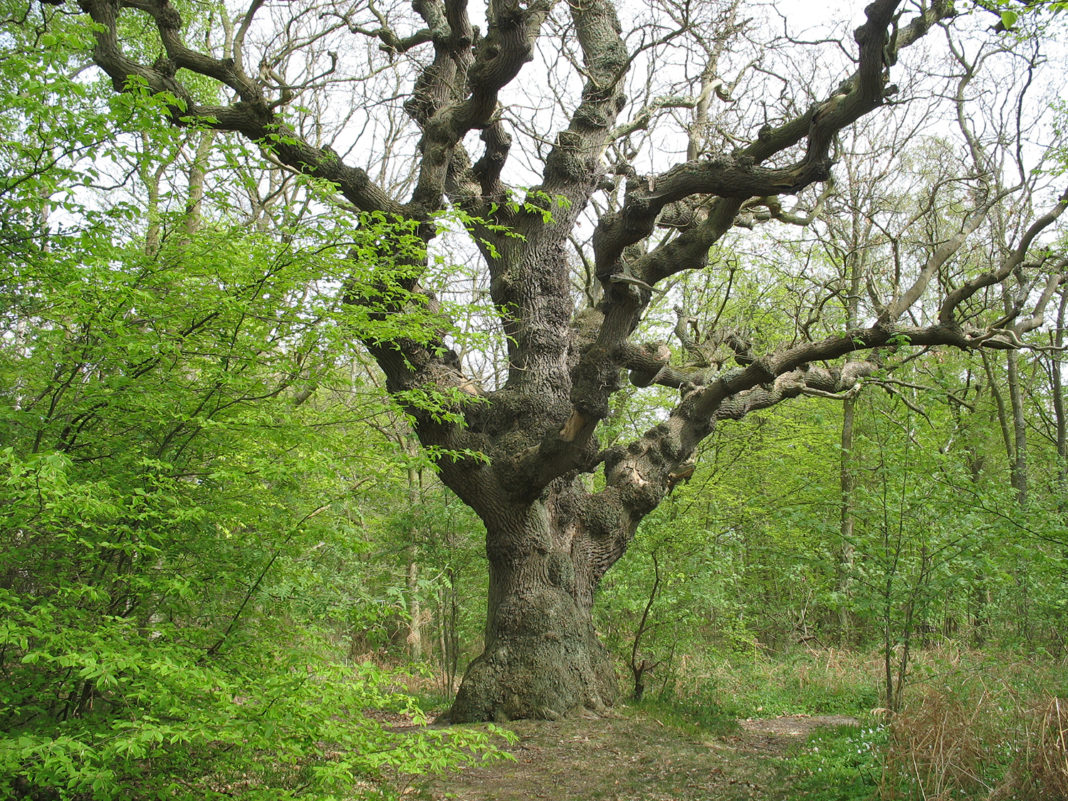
[1050,762]
[1040,771]
[977,730]
[939,747]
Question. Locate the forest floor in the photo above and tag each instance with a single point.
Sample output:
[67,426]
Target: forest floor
[634,757]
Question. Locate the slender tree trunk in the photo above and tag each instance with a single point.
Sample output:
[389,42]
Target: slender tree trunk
[415,608]
[888,641]
[856,263]
[1018,472]
[971,428]
[1057,385]
[639,665]
[1019,480]
[846,550]
[152,180]
[450,632]
[1060,420]
[999,402]
[198,171]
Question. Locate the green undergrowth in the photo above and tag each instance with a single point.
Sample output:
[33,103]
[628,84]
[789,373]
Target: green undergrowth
[766,685]
[839,763]
[973,726]
[693,715]
[427,695]
[979,726]
[803,682]
[432,704]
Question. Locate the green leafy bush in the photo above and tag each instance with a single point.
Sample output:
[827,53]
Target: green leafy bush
[181,447]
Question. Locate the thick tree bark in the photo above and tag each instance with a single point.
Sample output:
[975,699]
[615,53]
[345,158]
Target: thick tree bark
[542,658]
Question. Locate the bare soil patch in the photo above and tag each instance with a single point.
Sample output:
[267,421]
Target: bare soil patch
[632,758]
[775,736]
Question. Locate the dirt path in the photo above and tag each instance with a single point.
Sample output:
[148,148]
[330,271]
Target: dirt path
[633,758]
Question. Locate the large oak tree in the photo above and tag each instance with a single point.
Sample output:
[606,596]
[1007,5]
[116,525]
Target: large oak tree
[607,198]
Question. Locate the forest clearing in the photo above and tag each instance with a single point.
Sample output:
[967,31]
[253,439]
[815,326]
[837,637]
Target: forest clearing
[628,758]
[963,736]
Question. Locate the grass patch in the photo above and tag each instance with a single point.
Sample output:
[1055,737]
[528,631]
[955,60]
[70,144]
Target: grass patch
[692,714]
[841,763]
[801,682]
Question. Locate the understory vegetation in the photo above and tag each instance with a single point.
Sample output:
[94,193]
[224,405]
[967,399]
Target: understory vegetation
[973,725]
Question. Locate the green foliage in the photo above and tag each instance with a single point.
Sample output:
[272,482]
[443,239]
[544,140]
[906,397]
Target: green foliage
[167,512]
[181,447]
[1010,11]
[208,516]
[842,763]
[697,714]
[798,682]
[159,721]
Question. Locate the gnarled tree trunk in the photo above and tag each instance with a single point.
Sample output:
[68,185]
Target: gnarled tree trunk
[542,658]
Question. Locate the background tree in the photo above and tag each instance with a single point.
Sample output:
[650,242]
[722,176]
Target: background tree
[644,176]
